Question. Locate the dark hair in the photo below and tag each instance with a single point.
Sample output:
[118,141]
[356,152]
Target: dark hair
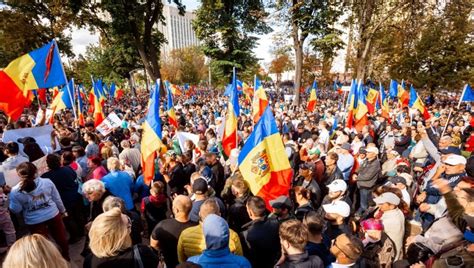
[302,191]
[27,172]
[333,156]
[53,161]
[96,161]
[12,147]
[314,222]
[33,151]
[67,158]
[417,252]
[257,205]
[78,149]
[403,169]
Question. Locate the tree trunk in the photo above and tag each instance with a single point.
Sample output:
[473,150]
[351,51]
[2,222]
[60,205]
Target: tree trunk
[298,70]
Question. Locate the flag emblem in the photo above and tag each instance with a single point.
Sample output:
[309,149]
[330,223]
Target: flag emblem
[260,163]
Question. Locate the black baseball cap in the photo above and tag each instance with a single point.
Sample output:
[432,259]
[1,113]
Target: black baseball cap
[200,186]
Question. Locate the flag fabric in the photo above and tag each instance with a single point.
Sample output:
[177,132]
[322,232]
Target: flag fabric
[98,103]
[371,100]
[334,125]
[182,137]
[41,94]
[312,97]
[229,139]
[175,90]
[403,95]
[385,109]
[248,91]
[170,110]
[151,141]
[64,99]
[263,161]
[260,101]
[41,68]
[468,94]
[360,116]
[80,107]
[393,90]
[417,103]
[337,86]
[352,104]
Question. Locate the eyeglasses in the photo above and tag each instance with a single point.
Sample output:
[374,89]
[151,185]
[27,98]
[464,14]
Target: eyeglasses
[333,243]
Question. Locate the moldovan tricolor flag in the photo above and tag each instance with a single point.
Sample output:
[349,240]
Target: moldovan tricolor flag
[98,113]
[403,96]
[41,68]
[229,139]
[312,97]
[170,110]
[64,99]
[384,103]
[263,161]
[371,100]
[417,103]
[260,101]
[151,141]
[360,115]
[351,103]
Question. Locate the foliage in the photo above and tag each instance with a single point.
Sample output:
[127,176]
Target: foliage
[310,19]
[225,28]
[281,64]
[184,65]
[27,25]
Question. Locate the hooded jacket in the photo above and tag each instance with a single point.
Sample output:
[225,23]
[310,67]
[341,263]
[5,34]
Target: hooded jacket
[217,253]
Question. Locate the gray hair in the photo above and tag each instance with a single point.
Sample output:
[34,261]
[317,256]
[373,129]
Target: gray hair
[93,185]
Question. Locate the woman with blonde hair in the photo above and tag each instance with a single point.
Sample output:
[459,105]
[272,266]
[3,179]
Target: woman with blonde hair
[34,251]
[111,244]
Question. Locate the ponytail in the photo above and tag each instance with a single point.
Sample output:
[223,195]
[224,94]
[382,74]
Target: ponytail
[27,172]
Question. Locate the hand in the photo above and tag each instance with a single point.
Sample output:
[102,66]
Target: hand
[421,197]
[188,188]
[64,214]
[354,177]
[441,169]
[424,207]
[442,185]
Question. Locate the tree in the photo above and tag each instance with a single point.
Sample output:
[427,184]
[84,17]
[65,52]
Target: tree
[132,20]
[280,64]
[225,28]
[27,25]
[184,65]
[313,19]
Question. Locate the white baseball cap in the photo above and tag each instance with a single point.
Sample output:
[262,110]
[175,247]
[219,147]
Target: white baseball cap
[454,159]
[337,185]
[372,149]
[338,207]
[387,197]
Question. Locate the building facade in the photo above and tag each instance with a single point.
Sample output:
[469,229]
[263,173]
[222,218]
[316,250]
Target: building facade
[177,29]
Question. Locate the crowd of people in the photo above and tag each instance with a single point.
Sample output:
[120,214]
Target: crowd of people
[398,193]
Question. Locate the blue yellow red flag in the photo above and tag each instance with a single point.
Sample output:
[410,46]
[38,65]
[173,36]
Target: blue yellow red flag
[229,138]
[151,143]
[260,100]
[263,162]
[416,103]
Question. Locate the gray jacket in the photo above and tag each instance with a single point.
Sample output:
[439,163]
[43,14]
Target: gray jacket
[368,173]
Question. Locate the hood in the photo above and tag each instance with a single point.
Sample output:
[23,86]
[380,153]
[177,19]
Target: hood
[216,232]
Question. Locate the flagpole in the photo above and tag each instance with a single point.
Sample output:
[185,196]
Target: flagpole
[65,78]
[462,96]
[447,122]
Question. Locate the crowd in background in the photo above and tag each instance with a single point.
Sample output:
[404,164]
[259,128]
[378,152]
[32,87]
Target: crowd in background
[398,193]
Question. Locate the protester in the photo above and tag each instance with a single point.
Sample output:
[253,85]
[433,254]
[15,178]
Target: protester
[119,183]
[111,244]
[379,250]
[347,250]
[40,204]
[34,251]
[217,253]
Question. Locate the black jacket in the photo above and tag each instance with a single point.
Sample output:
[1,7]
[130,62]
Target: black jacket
[261,242]
[238,215]
[368,174]
[219,175]
[64,178]
[302,261]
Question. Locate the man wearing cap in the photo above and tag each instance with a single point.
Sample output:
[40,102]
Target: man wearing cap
[337,191]
[452,169]
[400,183]
[259,237]
[345,161]
[347,250]
[392,219]
[366,177]
[318,170]
[305,180]
[281,209]
[336,214]
[200,191]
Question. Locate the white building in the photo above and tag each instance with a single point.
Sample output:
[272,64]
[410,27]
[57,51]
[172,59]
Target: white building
[177,29]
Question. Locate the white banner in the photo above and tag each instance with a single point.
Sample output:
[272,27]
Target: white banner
[184,136]
[42,135]
[110,122]
[289,98]
[11,177]
[346,88]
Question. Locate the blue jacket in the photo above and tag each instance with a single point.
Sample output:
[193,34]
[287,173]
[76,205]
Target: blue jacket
[120,184]
[217,254]
[39,205]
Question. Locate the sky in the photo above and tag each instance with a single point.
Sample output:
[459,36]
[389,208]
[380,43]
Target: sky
[81,38]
